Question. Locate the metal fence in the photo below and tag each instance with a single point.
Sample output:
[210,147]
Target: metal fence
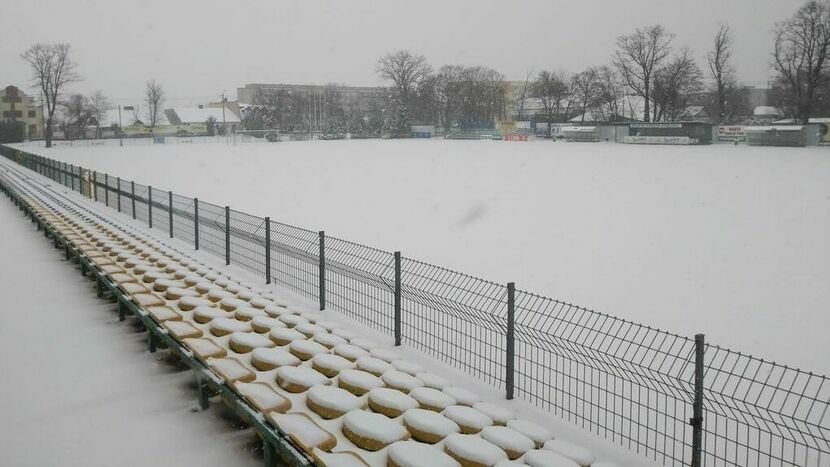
[674,399]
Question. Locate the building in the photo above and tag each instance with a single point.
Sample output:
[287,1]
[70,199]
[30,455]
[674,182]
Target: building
[15,105]
[198,117]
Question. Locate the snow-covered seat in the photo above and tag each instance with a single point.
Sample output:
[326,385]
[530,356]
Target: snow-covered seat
[263,397]
[329,340]
[364,344]
[433,381]
[244,342]
[470,420]
[473,451]
[223,326]
[386,355]
[189,303]
[462,396]
[428,426]
[215,295]
[231,303]
[305,349]
[390,402]
[349,351]
[309,330]
[372,431]
[513,443]
[432,399]
[358,382]
[292,320]
[284,336]
[181,329]
[299,379]
[545,458]
[401,381]
[500,415]
[407,367]
[578,454]
[122,277]
[330,365]
[147,299]
[176,293]
[415,454]
[331,402]
[163,313]
[264,324]
[161,285]
[303,431]
[265,359]
[276,311]
[338,459]
[259,302]
[373,365]
[231,370]
[154,275]
[247,313]
[205,348]
[537,433]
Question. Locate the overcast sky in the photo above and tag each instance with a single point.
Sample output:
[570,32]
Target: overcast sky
[198,49]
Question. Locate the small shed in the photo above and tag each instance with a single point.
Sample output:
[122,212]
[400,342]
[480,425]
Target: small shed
[777,135]
[582,134]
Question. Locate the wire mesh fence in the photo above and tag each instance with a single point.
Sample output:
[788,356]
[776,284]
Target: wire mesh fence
[674,399]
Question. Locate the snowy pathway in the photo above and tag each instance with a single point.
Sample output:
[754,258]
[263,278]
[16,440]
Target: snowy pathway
[101,400]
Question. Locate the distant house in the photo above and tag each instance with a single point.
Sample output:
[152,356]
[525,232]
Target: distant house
[16,106]
[766,113]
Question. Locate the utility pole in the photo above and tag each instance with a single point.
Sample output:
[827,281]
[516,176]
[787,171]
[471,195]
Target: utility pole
[224,123]
[120,132]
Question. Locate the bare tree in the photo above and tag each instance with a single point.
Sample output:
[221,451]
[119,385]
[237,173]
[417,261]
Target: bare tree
[154,96]
[552,89]
[609,93]
[675,84]
[800,55]
[586,88]
[405,70]
[76,115]
[99,105]
[638,56]
[721,69]
[52,70]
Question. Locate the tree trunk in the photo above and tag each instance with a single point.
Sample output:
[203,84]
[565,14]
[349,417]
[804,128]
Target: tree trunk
[49,132]
[647,104]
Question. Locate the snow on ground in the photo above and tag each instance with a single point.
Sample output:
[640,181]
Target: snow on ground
[727,240]
[79,387]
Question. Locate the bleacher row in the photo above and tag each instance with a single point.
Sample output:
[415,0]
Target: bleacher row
[315,392]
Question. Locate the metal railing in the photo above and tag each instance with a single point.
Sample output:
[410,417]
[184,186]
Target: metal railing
[674,399]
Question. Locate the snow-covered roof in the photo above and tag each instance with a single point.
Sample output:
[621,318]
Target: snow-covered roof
[812,120]
[766,111]
[751,129]
[201,115]
[130,117]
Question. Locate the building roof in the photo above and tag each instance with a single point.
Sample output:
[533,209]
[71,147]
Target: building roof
[766,111]
[201,115]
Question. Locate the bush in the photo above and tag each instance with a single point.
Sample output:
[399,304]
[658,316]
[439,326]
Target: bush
[12,132]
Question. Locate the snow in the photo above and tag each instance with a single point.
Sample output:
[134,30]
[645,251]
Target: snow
[264,322]
[429,422]
[292,320]
[473,448]
[248,313]
[407,367]
[432,399]
[262,395]
[303,428]
[283,336]
[431,380]
[467,417]
[392,399]
[309,329]
[329,340]
[374,426]
[415,454]
[573,452]
[331,362]
[384,354]
[219,294]
[204,314]
[306,349]
[349,351]
[333,398]
[99,376]
[364,344]
[175,293]
[687,239]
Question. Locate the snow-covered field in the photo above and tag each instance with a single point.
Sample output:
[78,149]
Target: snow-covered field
[730,241]
[78,386]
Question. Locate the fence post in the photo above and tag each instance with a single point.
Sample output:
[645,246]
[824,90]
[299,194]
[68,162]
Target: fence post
[322,273]
[397,298]
[196,222]
[697,420]
[150,206]
[170,211]
[95,185]
[118,192]
[72,177]
[81,180]
[511,339]
[227,235]
[267,250]
[107,189]
[132,196]
[64,174]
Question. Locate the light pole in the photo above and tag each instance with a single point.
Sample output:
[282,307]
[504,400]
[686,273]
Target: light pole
[120,132]
[224,122]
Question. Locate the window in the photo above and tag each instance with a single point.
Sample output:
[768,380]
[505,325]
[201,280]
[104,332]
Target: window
[5,99]
[32,129]
[18,114]
[7,114]
[32,114]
